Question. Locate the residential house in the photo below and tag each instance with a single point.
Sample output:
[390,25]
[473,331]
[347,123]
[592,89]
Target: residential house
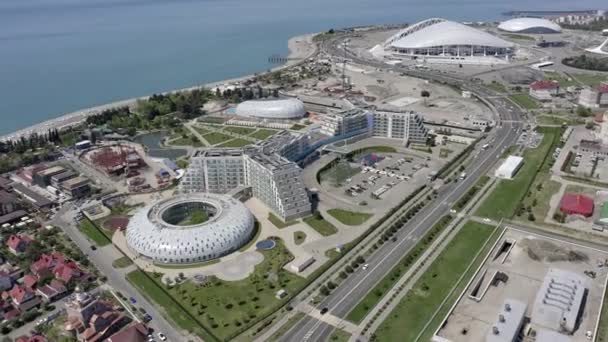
[53,291]
[18,243]
[6,281]
[543,90]
[91,319]
[22,298]
[137,332]
[46,263]
[33,338]
[30,281]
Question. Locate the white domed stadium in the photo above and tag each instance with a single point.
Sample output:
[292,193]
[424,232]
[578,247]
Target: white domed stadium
[191,228]
[443,41]
[530,25]
[275,108]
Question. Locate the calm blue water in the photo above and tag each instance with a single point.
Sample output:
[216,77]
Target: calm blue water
[58,56]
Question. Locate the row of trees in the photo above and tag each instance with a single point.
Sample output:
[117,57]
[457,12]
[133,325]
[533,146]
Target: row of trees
[244,94]
[596,25]
[587,63]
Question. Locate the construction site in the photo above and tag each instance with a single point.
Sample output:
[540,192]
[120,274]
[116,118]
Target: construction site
[530,288]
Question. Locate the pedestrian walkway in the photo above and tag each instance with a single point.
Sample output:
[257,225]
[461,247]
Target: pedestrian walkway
[328,318]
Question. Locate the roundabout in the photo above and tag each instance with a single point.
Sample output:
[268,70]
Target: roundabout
[189,229]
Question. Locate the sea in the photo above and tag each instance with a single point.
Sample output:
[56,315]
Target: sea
[59,56]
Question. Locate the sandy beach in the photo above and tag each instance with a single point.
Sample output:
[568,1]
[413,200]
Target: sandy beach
[300,48]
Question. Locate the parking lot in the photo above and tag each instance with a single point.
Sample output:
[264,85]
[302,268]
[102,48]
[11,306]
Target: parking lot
[387,180]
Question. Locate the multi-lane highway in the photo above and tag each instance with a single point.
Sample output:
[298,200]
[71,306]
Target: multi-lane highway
[353,289]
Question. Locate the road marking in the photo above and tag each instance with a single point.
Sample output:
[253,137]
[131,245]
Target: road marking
[389,253]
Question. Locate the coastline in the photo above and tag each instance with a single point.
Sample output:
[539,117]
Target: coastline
[300,48]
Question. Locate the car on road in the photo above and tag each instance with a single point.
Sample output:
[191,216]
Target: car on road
[364,267]
[323,311]
[147,318]
[132,300]
[93,247]
[487,220]
[162,336]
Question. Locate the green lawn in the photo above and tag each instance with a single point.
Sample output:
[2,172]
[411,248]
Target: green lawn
[507,195]
[339,335]
[151,290]
[558,120]
[239,130]
[93,233]
[299,237]
[349,218]
[278,222]
[371,299]
[497,87]
[413,312]
[189,141]
[524,100]
[263,133]
[564,81]
[297,127]
[518,36]
[319,224]
[237,142]
[590,79]
[122,262]
[215,138]
[201,130]
[227,307]
[602,331]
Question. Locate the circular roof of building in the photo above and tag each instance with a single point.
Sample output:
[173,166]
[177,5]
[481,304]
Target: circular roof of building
[274,108]
[167,232]
[440,32]
[530,25]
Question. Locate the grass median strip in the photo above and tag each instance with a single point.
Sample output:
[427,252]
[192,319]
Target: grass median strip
[413,312]
[278,222]
[93,233]
[358,313]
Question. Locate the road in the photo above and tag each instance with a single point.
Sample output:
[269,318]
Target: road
[102,258]
[344,298]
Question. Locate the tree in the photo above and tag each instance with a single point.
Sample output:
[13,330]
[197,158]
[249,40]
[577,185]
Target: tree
[425,94]
[324,290]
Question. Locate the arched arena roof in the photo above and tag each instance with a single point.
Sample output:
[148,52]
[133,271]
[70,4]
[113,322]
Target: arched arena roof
[153,233]
[282,108]
[530,25]
[440,32]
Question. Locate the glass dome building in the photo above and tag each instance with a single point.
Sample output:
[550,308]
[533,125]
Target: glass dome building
[274,108]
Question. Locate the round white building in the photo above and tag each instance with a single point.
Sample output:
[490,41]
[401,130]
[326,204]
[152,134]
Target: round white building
[530,25]
[166,231]
[274,108]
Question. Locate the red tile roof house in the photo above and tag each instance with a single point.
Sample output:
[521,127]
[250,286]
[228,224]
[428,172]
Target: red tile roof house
[23,299]
[43,266]
[544,90]
[104,325]
[30,281]
[66,271]
[137,332]
[53,291]
[34,338]
[576,204]
[18,243]
[7,311]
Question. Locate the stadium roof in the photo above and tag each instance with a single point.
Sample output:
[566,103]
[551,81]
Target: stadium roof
[443,32]
[529,25]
